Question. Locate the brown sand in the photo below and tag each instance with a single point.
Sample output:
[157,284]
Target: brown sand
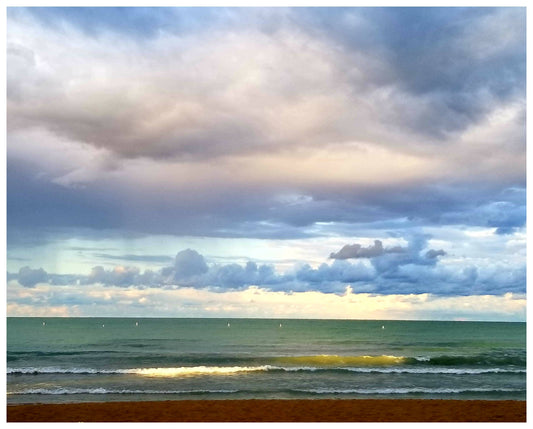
[253,410]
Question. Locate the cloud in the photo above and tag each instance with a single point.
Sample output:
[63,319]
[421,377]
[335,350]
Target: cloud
[273,124]
[333,278]
[123,276]
[350,251]
[136,22]
[389,263]
[436,77]
[297,85]
[212,115]
[217,204]
[432,253]
[456,71]
[189,263]
[120,276]
[135,258]
[29,277]
[104,301]
[385,259]
[34,201]
[504,230]
[191,269]
[413,268]
[330,100]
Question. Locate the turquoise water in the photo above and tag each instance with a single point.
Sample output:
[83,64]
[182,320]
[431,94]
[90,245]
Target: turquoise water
[102,359]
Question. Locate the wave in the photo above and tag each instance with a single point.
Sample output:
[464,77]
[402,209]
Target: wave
[457,371]
[205,370]
[40,353]
[103,391]
[490,360]
[335,360]
[196,370]
[402,370]
[411,390]
[55,370]
[495,359]
[149,372]
[322,391]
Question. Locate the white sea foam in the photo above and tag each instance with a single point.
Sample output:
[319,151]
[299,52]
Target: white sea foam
[57,370]
[426,370]
[408,390]
[325,391]
[149,372]
[195,370]
[103,391]
[230,370]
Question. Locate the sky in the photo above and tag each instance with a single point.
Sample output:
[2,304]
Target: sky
[355,163]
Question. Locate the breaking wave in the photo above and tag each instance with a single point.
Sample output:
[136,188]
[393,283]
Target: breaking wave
[203,370]
[322,391]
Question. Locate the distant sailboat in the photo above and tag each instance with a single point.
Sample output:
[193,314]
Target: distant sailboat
[228,325]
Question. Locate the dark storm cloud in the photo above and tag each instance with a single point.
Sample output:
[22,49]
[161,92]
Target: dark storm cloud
[474,204]
[457,62]
[504,210]
[35,203]
[433,48]
[464,59]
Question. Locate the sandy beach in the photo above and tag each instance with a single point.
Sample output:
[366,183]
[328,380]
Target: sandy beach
[253,410]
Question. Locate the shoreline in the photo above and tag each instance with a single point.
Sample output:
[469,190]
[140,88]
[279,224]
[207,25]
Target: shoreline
[275,410]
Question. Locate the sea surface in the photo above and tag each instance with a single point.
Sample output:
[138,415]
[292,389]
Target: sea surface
[52,360]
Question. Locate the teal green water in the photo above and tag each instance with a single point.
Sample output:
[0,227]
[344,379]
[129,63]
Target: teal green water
[92,359]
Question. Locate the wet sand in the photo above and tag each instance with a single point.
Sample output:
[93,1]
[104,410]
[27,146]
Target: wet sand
[253,410]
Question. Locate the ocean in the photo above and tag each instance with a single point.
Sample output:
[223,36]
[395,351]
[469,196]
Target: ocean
[57,360]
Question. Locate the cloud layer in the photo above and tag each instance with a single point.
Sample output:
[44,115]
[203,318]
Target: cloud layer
[391,139]
[264,120]
[397,270]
